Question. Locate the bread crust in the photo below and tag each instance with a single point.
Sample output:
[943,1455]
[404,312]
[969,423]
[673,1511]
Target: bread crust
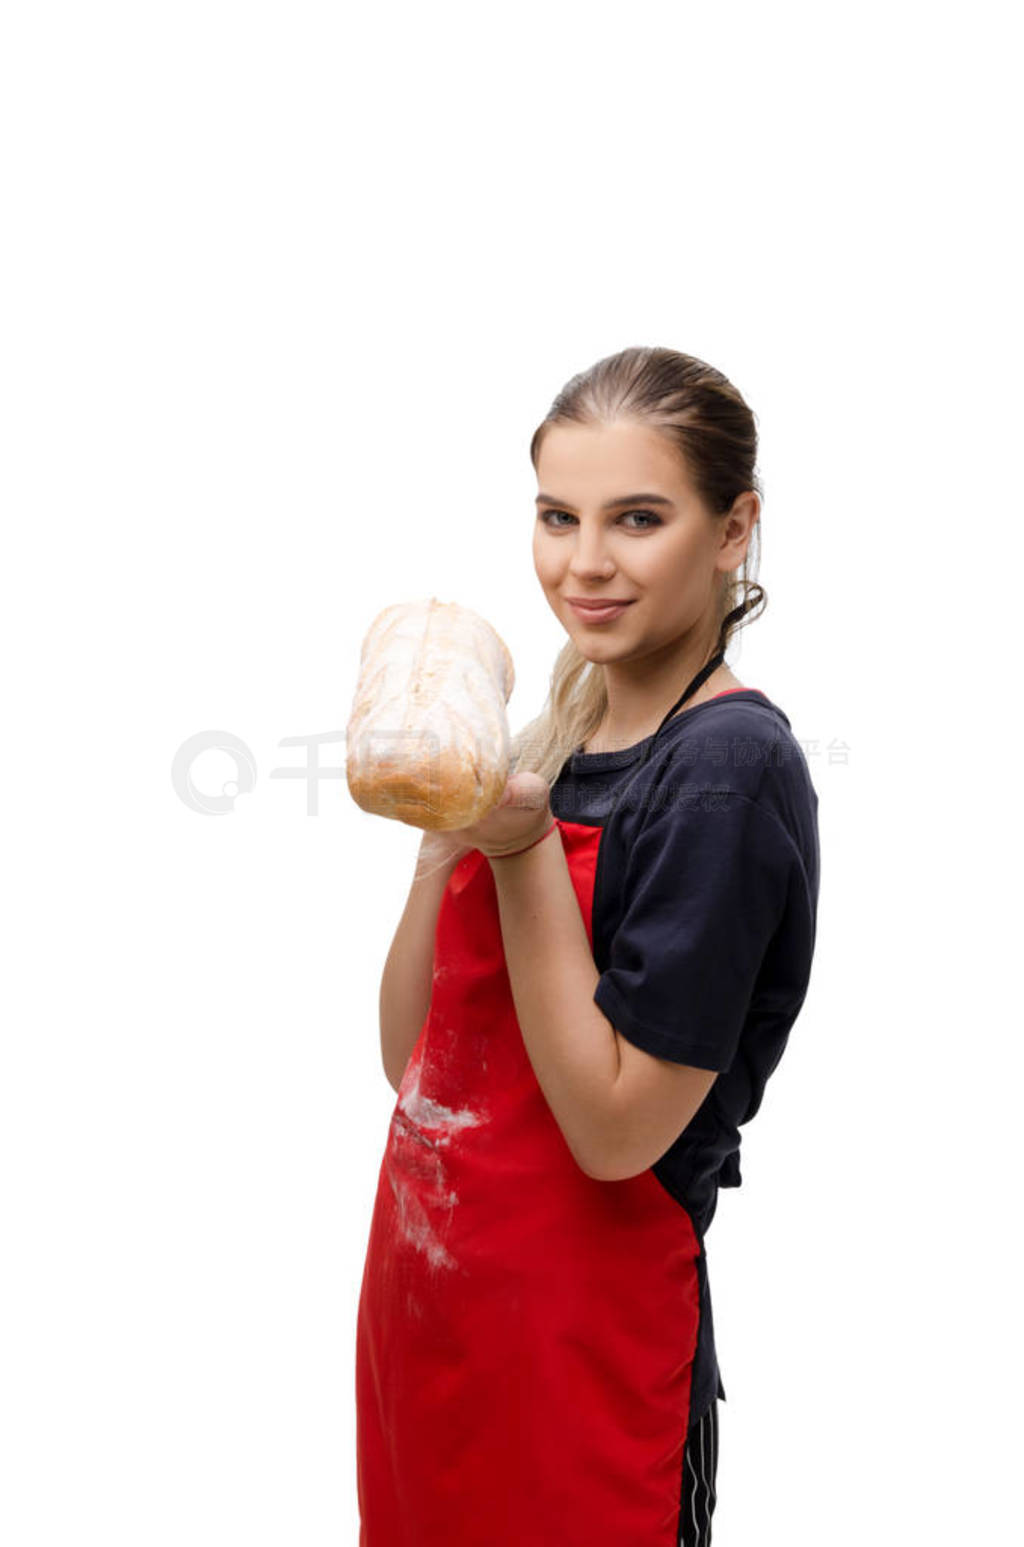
[428,739]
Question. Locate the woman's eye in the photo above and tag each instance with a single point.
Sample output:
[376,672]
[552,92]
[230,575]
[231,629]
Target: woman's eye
[649,517]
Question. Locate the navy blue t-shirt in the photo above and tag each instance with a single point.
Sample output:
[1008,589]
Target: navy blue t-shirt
[704,912]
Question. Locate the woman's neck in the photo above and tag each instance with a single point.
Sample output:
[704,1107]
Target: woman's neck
[610,737]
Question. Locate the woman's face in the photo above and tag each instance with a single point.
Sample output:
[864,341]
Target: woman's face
[619,519]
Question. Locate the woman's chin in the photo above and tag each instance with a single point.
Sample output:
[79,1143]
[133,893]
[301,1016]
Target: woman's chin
[596,650]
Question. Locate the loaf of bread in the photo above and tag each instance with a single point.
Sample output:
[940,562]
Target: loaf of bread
[428,737]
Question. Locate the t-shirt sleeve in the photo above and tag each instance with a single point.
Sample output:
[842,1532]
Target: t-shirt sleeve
[704,891]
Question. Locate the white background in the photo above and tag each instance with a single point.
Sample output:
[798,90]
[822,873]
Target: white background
[287,290]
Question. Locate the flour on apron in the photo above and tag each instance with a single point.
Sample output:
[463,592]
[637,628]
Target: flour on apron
[414,1115]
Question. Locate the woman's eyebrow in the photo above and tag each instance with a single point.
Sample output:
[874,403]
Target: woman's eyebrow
[624,499]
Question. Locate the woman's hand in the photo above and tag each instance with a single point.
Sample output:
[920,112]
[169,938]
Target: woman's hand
[522,815]
[438,851]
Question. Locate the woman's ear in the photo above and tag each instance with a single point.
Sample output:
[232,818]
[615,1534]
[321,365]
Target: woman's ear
[738,528]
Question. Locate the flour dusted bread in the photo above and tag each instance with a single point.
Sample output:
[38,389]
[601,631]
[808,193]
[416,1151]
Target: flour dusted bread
[428,737]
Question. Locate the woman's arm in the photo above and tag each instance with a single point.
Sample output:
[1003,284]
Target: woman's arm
[619,1108]
[408,972]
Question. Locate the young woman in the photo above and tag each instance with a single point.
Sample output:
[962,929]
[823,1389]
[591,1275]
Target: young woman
[584,999]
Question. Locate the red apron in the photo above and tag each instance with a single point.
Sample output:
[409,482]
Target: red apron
[526,1334]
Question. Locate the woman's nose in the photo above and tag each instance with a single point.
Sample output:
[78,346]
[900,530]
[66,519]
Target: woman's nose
[591,564]
[589,556]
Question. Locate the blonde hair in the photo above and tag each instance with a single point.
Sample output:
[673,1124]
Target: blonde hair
[701,413]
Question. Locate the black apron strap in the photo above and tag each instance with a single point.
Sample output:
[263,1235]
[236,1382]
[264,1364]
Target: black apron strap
[702,676]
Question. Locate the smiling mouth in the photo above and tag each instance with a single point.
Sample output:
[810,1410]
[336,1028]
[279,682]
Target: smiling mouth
[598,610]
